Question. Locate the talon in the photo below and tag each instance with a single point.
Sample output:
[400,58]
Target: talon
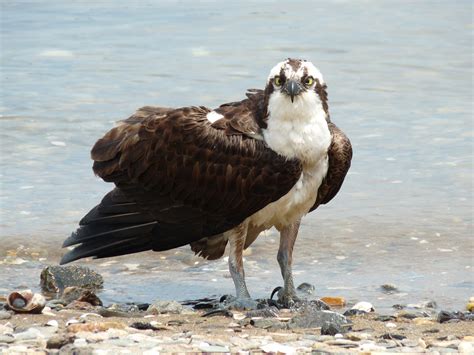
[275,290]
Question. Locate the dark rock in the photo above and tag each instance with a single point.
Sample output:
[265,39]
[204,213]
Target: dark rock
[58,341]
[431,331]
[412,315]
[306,288]
[398,306]
[144,326]
[57,278]
[354,312]
[384,318]
[390,336]
[313,319]
[80,294]
[445,316]
[389,289]
[331,329]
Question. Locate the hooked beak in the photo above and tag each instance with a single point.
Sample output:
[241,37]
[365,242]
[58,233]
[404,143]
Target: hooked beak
[292,88]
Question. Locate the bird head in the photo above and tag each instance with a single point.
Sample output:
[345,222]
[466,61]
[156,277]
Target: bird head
[295,86]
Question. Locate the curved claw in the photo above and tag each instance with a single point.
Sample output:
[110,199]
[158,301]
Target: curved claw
[275,290]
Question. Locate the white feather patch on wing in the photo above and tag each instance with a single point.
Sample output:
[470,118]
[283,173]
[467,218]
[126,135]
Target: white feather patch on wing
[213,116]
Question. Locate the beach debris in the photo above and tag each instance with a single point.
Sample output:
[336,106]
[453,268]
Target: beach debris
[161,307]
[56,278]
[26,301]
[334,301]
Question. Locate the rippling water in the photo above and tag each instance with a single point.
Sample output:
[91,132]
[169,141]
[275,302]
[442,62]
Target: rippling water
[400,84]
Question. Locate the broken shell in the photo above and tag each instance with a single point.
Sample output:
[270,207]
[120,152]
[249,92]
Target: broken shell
[26,301]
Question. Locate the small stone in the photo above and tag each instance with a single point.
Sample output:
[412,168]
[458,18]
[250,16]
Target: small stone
[56,278]
[313,319]
[163,307]
[345,343]
[364,306]
[334,301]
[453,344]
[470,307]
[53,323]
[332,329]
[445,316]
[267,323]
[371,347]
[306,288]
[205,347]
[390,325]
[81,342]
[356,336]
[284,337]
[31,333]
[389,288]
[278,348]
[6,338]
[410,343]
[80,294]
[411,314]
[5,315]
[58,341]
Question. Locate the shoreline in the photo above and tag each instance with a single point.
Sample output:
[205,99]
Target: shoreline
[82,328]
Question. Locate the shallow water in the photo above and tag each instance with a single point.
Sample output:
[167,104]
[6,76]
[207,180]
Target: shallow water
[400,85]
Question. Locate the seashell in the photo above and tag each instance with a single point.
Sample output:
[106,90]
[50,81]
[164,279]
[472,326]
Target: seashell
[26,301]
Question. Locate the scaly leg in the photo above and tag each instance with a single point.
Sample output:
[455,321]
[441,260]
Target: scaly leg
[287,295]
[236,267]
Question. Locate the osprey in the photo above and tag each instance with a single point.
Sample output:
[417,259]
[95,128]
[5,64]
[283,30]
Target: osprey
[209,178]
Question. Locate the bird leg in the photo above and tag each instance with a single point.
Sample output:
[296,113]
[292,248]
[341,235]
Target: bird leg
[236,267]
[287,295]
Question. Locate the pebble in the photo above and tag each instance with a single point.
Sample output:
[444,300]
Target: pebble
[161,307]
[5,315]
[364,307]
[6,338]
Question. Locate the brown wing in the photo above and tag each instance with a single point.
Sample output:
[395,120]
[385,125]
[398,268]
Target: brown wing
[178,179]
[339,162]
[242,117]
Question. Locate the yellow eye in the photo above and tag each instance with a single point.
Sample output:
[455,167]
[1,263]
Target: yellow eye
[277,81]
[309,81]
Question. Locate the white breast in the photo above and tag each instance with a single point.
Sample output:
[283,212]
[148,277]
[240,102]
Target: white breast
[296,131]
